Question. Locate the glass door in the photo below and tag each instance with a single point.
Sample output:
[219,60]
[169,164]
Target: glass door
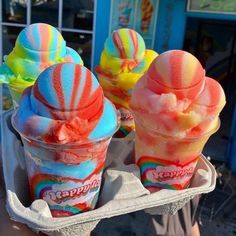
[213,43]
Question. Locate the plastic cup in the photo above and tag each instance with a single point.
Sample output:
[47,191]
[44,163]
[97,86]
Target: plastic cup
[67,176]
[167,162]
[17,89]
[16,95]
[126,123]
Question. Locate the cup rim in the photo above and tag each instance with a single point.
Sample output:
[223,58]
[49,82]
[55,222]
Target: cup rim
[166,136]
[80,143]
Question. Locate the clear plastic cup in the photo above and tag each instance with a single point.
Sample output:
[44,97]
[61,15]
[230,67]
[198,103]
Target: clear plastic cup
[67,176]
[16,95]
[126,123]
[16,90]
[167,162]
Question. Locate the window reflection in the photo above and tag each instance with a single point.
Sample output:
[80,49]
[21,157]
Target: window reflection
[45,11]
[6,98]
[82,43]
[78,14]
[14,11]
[10,34]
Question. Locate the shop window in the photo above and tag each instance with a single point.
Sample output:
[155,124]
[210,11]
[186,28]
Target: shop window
[45,12]
[74,18]
[78,14]
[9,35]
[80,42]
[14,11]
[217,53]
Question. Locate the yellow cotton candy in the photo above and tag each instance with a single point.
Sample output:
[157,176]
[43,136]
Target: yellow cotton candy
[109,63]
[127,81]
[150,55]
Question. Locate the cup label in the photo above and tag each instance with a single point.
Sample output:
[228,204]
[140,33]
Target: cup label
[57,196]
[158,174]
[67,192]
[126,115]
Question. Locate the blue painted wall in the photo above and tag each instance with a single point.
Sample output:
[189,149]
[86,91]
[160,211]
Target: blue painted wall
[171,22]
[101,27]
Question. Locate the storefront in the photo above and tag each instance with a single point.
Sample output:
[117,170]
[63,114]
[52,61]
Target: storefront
[206,28]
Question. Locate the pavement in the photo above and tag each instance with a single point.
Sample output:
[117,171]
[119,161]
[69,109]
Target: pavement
[217,209]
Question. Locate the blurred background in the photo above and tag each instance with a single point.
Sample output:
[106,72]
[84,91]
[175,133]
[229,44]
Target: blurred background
[205,28]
